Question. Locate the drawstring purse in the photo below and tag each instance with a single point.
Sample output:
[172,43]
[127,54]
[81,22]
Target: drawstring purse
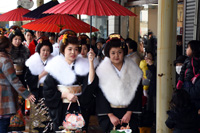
[73,120]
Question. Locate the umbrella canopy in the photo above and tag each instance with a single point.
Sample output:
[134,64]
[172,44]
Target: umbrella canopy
[91,7]
[15,15]
[37,13]
[57,22]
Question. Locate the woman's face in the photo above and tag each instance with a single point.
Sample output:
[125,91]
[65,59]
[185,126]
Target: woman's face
[148,57]
[84,51]
[16,41]
[116,55]
[99,45]
[44,52]
[29,37]
[189,51]
[71,52]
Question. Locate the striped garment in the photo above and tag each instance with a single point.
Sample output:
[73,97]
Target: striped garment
[9,84]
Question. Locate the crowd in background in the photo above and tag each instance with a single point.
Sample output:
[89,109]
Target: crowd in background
[117,78]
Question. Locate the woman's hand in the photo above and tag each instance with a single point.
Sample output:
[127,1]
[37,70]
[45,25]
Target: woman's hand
[31,98]
[91,55]
[149,61]
[44,73]
[71,97]
[114,120]
[127,117]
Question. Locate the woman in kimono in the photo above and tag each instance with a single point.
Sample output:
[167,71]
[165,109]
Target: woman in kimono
[67,70]
[35,76]
[19,53]
[119,96]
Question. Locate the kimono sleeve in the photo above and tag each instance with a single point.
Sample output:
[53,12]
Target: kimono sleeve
[50,92]
[89,91]
[31,80]
[102,105]
[136,104]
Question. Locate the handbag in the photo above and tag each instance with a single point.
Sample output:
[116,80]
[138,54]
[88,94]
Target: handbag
[74,120]
[122,129]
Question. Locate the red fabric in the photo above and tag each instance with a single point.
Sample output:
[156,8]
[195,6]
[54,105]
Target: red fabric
[91,7]
[56,22]
[194,78]
[179,84]
[32,47]
[144,100]
[15,15]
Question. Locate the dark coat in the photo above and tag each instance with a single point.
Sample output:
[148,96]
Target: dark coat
[188,66]
[151,100]
[183,120]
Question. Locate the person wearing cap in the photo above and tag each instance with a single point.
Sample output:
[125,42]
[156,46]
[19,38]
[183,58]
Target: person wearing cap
[9,82]
[132,50]
[178,64]
[119,89]
[99,44]
[71,72]
[19,53]
[35,76]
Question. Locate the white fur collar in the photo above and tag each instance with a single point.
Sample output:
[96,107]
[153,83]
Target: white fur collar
[119,90]
[62,72]
[35,65]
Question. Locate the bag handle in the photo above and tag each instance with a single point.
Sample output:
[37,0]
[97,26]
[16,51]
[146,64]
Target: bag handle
[114,127]
[79,106]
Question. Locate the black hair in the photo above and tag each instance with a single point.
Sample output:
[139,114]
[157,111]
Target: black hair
[94,38]
[131,44]
[71,40]
[80,47]
[115,43]
[44,42]
[16,32]
[195,47]
[30,31]
[149,52]
[180,99]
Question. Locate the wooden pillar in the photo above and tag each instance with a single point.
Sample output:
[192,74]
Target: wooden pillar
[134,24]
[167,20]
[40,2]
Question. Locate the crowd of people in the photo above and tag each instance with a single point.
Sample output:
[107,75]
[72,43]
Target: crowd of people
[113,78]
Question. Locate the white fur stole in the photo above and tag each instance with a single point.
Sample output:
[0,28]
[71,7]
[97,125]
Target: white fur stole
[62,72]
[119,90]
[35,65]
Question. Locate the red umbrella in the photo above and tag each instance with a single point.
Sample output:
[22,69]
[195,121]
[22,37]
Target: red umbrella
[91,7]
[15,15]
[56,22]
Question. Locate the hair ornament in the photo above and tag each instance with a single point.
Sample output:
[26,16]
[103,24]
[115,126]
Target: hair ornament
[65,36]
[115,36]
[13,32]
[40,40]
[1,31]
